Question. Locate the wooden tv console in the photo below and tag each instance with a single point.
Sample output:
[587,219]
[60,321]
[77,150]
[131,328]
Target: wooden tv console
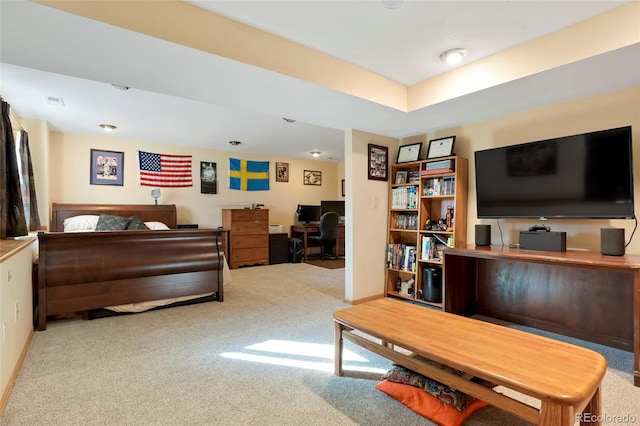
[575,293]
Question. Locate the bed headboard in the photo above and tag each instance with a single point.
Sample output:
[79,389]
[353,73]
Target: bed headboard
[165,213]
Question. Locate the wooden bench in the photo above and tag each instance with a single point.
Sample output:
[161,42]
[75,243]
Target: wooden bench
[564,378]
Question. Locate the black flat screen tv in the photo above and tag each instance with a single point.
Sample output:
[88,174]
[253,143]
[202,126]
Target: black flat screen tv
[332,206]
[589,175]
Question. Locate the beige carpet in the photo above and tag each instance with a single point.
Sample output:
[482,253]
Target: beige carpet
[264,356]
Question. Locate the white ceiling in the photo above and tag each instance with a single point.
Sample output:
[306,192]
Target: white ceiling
[182,96]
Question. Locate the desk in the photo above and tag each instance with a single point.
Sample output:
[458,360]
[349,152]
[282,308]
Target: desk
[303,231]
[579,294]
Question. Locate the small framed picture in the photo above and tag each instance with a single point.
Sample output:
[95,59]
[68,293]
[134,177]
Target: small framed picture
[312,177]
[442,147]
[401,176]
[378,162]
[408,153]
[208,177]
[107,167]
[282,172]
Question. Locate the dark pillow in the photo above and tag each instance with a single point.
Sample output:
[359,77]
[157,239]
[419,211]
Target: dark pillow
[107,222]
[136,223]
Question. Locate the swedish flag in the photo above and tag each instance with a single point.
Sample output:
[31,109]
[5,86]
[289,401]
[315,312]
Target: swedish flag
[248,175]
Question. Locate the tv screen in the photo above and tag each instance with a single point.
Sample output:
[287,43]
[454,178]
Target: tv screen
[581,176]
[307,213]
[332,206]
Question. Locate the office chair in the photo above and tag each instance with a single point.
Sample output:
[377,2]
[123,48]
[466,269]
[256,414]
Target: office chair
[328,232]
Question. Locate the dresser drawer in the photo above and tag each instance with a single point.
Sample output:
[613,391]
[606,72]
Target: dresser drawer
[247,241]
[248,214]
[251,255]
[249,227]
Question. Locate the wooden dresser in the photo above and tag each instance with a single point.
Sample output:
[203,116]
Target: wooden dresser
[248,236]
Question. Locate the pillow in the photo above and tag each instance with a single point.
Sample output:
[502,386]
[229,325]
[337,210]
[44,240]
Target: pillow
[136,223]
[80,223]
[444,393]
[107,222]
[428,405]
[156,225]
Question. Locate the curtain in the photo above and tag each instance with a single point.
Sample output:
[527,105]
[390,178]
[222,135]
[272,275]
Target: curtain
[27,183]
[12,221]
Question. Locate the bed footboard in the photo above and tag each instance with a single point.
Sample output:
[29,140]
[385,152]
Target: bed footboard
[89,270]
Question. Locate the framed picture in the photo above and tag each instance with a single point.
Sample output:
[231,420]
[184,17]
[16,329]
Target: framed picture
[401,176]
[282,172]
[343,193]
[107,167]
[208,178]
[442,147]
[408,153]
[378,162]
[312,177]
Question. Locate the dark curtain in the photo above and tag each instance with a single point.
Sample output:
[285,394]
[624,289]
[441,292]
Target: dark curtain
[12,221]
[28,186]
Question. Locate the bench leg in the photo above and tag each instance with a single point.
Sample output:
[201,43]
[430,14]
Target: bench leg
[593,409]
[339,343]
[556,414]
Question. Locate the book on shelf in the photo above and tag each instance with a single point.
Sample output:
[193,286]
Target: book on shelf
[402,257]
[404,197]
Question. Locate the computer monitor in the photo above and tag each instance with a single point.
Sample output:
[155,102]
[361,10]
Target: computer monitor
[307,213]
[332,206]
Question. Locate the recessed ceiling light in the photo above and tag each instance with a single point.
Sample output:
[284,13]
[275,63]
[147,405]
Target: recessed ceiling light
[234,143]
[453,56]
[289,120]
[316,153]
[107,127]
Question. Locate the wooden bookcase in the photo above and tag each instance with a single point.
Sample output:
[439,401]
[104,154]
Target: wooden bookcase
[427,214]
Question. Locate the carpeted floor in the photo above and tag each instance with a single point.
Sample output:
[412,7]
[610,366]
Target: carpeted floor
[327,263]
[264,356]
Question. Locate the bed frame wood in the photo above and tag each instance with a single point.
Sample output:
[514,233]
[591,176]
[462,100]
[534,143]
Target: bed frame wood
[88,270]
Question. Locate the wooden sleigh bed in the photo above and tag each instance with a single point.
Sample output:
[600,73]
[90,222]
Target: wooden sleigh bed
[81,271]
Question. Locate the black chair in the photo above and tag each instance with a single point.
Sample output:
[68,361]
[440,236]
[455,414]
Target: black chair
[328,232]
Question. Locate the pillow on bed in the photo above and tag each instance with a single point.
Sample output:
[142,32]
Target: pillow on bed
[81,223]
[136,223]
[107,222]
[428,405]
[156,225]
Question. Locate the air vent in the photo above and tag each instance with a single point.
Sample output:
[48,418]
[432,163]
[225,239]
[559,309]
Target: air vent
[53,100]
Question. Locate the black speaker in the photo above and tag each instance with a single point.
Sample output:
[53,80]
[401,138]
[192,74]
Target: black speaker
[612,241]
[295,250]
[483,235]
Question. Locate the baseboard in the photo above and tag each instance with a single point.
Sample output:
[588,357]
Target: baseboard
[6,392]
[364,299]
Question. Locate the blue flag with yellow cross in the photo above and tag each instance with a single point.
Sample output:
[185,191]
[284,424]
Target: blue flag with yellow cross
[248,175]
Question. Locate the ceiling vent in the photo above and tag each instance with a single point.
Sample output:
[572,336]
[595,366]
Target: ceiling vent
[53,100]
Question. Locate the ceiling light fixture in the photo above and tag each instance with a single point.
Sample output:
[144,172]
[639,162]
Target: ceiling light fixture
[234,143]
[453,56]
[289,120]
[316,153]
[108,127]
[391,4]
[54,100]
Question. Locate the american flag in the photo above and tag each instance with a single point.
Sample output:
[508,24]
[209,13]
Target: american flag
[163,170]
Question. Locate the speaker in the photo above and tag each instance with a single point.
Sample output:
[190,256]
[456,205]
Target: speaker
[612,241]
[543,240]
[483,235]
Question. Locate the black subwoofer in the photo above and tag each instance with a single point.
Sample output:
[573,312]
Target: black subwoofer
[432,285]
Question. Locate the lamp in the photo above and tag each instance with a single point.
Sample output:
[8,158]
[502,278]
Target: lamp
[107,127]
[316,153]
[155,193]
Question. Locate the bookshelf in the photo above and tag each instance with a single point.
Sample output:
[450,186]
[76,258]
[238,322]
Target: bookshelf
[427,215]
